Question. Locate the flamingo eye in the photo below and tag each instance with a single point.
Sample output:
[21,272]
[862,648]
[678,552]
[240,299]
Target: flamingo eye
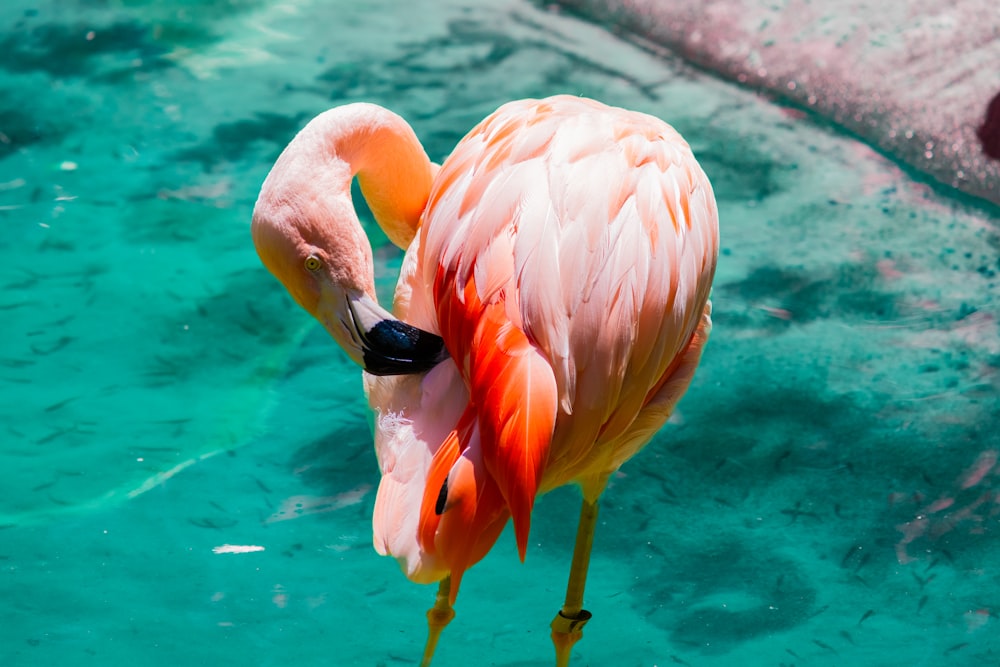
[313,263]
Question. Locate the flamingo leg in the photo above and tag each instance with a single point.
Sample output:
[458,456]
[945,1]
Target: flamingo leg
[567,627]
[438,617]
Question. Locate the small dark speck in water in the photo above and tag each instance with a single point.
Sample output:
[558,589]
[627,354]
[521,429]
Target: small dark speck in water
[824,645]
[214,524]
[956,647]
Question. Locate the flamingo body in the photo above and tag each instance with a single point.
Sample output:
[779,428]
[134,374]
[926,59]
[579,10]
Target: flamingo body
[565,257]
[552,306]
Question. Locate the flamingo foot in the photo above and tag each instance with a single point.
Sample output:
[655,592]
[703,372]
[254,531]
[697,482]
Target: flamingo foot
[567,631]
[438,617]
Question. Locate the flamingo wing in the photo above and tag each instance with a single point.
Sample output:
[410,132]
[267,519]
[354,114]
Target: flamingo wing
[575,244]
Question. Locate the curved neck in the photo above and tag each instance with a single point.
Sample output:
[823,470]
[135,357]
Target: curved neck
[307,233]
[380,148]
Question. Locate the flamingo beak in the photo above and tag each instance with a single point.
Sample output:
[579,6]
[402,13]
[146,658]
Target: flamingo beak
[377,341]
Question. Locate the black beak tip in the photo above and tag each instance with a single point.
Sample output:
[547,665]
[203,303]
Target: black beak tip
[392,347]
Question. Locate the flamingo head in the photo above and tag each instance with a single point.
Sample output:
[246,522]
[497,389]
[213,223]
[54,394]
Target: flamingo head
[315,247]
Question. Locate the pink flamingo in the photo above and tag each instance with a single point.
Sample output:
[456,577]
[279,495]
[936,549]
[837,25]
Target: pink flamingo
[551,309]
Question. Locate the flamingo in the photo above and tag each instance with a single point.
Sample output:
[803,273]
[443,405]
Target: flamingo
[551,309]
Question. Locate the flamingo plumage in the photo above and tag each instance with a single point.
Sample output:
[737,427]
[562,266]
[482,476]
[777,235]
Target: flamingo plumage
[551,309]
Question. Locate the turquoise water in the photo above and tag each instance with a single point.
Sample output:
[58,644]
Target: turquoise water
[827,493]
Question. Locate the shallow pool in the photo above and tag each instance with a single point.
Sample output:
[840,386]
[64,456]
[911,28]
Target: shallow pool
[828,492]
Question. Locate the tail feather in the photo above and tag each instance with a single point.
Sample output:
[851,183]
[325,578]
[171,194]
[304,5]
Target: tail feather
[462,513]
[512,390]
[473,518]
[437,478]
[515,389]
